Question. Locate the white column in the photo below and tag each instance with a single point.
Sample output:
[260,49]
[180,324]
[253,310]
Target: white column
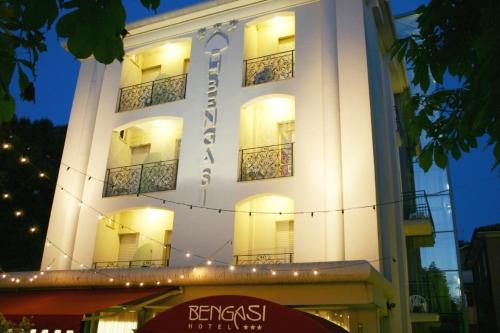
[361,230]
[65,209]
[334,227]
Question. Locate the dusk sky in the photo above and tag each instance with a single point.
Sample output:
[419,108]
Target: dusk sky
[476,188]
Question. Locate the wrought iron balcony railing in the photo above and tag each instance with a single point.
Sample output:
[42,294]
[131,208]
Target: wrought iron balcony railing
[416,206]
[274,67]
[261,259]
[266,162]
[160,91]
[141,178]
[131,264]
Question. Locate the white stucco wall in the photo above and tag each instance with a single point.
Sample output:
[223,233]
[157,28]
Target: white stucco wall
[334,161]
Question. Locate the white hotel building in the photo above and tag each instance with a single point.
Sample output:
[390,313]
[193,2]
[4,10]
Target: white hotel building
[243,147]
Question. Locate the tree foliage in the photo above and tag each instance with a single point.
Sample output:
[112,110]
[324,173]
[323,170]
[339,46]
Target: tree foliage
[7,326]
[459,39]
[41,143]
[89,27]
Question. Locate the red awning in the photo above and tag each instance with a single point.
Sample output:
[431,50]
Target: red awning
[64,309]
[232,314]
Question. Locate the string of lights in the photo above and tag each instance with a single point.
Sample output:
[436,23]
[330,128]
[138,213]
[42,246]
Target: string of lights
[228,210]
[113,279]
[206,260]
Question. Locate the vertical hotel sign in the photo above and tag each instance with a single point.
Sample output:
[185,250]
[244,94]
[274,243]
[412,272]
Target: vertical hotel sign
[215,45]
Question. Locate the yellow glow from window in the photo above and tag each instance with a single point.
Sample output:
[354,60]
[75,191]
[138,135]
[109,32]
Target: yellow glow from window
[173,49]
[154,215]
[279,26]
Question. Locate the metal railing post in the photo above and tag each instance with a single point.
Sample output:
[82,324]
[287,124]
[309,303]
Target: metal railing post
[185,85]
[241,164]
[152,94]
[140,180]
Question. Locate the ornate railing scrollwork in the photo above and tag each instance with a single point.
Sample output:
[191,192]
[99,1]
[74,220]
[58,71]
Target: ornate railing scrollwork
[131,264]
[160,91]
[266,162]
[263,259]
[274,67]
[142,178]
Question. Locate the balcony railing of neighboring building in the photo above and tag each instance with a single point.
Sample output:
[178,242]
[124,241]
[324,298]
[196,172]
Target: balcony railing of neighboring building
[416,206]
[261,259]
[141,178]
[266,162]
[274,67]
[427,297]
[160,91]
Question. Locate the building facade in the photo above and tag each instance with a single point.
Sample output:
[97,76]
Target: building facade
[246,148]
[483,293]
[433,266]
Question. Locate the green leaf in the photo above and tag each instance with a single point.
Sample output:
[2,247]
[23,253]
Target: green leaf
[115,15]
[39,12]
[440,157]
[105,51]
[496,151]
[151,4]
[81,44]
[7,108]
[425,158]
[455,151]
[67,25]
[437,71]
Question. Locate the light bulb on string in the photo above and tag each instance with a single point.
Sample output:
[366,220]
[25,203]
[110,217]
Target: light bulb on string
[23,159]
[6,195]
[42,175]
[6,145]
[18,213]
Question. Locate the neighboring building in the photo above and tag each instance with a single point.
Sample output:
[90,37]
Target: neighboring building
[484,292]
[470,311]
[244,147]
[433,267]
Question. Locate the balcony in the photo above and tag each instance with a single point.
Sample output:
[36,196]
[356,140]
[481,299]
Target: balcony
[141,178]
[146,94]
[274,67]
[263,259]
[428,299]
[417,214]
[131,264]
[266,162]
